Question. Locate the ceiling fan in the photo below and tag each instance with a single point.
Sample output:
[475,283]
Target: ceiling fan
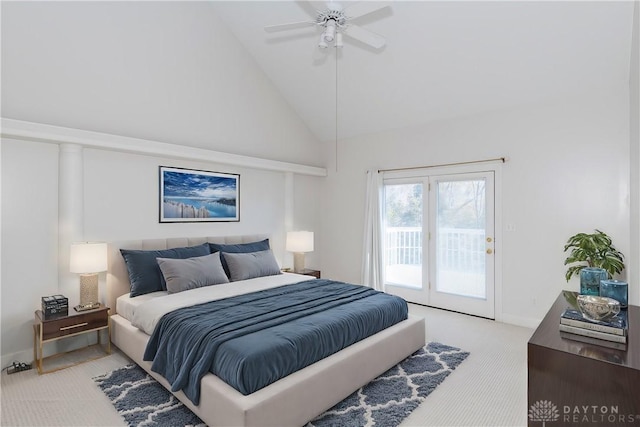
[335,20]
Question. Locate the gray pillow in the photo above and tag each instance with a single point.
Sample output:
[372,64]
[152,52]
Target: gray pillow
[190,273]
[239,248]
[145,275]
[252,264]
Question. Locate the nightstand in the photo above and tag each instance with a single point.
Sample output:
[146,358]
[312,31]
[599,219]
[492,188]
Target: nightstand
[50,329]
[309,272]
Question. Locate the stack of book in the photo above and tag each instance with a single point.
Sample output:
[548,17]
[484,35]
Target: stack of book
[578,328]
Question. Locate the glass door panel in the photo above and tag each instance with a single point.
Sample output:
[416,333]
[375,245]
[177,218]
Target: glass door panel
[404,212]
[460,233]
[462,241]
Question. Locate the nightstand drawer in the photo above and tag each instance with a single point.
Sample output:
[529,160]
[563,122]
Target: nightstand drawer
[56,328]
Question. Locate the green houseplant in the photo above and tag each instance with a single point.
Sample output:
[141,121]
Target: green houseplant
[592,250]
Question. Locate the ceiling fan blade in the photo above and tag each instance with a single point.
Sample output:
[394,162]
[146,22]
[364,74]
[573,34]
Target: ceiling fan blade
[312,7]
[362,8]
[289,26]
[365,36]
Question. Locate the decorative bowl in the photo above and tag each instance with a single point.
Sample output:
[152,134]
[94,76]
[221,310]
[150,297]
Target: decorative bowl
[599,309]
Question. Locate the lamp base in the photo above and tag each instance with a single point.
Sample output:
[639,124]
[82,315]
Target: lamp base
[298,262]
[88,289]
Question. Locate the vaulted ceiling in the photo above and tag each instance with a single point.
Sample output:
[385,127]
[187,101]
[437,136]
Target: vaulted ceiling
[443,59]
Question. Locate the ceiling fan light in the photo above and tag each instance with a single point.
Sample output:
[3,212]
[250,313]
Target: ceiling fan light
[330,32]
[322,44]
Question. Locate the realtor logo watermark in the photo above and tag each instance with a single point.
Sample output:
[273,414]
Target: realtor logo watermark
[545,411]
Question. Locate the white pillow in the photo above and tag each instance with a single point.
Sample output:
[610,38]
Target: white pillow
[190,273]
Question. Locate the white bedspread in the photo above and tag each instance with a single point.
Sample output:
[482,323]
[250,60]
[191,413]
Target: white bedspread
[149,313]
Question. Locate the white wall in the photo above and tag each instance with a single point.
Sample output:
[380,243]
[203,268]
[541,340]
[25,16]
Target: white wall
[567,173]
[121,198]
[634,139]
[29,239]
[164,71]
[121,201]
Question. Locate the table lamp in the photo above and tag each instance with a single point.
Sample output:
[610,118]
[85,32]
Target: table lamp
[88,259]
[299,242]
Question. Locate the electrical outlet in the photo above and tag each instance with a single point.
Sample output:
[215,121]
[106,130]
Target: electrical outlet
[511,227]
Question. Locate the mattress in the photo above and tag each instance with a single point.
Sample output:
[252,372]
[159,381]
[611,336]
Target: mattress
[127,305]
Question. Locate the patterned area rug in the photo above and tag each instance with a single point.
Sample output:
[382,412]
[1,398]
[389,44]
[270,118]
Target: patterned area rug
[385,401]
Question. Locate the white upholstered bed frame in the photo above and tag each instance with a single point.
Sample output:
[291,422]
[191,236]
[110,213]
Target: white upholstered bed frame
[291,401]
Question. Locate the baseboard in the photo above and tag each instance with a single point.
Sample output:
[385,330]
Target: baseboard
[527,322]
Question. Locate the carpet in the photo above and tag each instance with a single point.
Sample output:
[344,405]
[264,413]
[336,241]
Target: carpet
[386,400]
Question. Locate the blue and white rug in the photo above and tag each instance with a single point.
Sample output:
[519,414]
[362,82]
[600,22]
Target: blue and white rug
[385,401]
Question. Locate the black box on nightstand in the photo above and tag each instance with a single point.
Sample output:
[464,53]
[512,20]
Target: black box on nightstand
[56,305]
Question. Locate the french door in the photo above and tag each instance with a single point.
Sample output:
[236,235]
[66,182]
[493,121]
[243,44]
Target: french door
[439,240]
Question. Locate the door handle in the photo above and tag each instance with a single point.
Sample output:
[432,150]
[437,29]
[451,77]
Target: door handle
[489,251]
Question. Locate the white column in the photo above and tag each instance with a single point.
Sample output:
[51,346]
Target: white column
[70,216]
[289,206]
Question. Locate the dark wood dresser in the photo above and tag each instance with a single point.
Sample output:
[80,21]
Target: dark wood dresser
[587,383]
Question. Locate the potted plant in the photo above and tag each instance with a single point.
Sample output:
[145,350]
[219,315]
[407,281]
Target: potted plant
[593,258]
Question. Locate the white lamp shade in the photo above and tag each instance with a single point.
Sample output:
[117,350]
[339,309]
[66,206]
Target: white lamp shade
[300,241]
[88,257]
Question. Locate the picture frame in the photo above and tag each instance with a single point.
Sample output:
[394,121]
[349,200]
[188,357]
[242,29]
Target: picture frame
[191,195]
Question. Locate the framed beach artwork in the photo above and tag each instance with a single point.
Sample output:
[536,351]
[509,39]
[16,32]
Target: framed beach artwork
[188,195]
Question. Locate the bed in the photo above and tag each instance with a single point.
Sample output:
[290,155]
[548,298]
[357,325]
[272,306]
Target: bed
[290,401]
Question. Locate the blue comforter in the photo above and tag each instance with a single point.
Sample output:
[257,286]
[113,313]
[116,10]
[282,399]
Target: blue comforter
[252,340]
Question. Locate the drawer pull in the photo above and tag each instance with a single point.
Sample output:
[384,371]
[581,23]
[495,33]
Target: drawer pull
[74,326]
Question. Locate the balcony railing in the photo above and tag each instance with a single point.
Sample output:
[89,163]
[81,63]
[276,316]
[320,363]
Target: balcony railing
[459,249]
[403,245]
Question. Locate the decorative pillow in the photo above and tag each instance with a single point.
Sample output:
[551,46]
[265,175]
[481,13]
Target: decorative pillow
[145,275]
[250,265]
[190,273]
[240,248]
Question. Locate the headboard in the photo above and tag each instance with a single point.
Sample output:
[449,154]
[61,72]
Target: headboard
[118,276]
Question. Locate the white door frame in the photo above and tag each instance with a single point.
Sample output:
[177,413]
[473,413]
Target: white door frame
[496,167]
